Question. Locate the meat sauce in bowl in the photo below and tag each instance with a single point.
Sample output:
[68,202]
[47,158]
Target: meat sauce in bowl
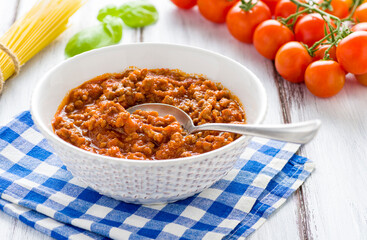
[93,116]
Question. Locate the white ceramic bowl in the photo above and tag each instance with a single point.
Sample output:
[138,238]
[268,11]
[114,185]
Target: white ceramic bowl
[137,181]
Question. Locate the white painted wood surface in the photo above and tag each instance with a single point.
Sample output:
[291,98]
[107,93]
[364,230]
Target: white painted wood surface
[332,204]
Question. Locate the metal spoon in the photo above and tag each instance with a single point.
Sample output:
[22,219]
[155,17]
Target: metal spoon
[302,132]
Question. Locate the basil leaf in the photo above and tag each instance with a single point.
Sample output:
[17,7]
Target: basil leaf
[113,25]
[107,33]
[138,13]
[109,10]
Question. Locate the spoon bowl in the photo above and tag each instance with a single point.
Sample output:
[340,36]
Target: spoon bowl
[301,132]
[165,109]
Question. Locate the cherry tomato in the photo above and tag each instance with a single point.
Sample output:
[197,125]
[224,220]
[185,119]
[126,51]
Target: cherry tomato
[340,8]
[361,13]
[309,29]
[291,61]
[271,4]
[285,8]
[215,10]
[324,78]
[241,24]
[351,53]
[320,52]
[269,36]
[362,79]
[349,3]
[185,4]
[360,27]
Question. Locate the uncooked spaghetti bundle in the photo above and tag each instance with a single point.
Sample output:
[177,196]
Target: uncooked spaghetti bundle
[34,31]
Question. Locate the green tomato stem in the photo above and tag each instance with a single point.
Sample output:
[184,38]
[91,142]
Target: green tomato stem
[313,48]
[335,33]
[326,54]
[247,6]
[314,9]
[295,14]
[355,5]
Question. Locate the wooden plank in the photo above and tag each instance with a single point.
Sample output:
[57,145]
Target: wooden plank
[188,27]
[334,198]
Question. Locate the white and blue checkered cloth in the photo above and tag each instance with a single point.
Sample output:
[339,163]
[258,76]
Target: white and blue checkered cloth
[36,188]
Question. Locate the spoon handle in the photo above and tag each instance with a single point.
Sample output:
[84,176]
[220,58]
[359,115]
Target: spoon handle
[301,132]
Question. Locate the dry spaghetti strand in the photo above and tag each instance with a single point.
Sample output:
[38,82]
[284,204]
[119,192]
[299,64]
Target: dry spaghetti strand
[34,31]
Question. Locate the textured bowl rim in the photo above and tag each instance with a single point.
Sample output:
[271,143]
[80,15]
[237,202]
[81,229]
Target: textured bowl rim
[50,134]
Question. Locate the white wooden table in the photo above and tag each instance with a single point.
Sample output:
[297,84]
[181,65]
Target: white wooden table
[332,204]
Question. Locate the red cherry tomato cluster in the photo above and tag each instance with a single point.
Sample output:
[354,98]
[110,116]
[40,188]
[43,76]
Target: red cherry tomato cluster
[309,41]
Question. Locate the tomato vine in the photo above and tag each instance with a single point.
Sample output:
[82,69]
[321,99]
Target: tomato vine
[335,30]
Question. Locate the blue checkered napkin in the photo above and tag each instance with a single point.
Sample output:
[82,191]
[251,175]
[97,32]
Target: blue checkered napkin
[36,188]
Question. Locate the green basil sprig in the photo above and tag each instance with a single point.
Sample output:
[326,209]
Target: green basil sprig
[108,32]
[135,14]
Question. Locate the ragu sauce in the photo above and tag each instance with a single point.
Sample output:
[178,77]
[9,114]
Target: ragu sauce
[93,116]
